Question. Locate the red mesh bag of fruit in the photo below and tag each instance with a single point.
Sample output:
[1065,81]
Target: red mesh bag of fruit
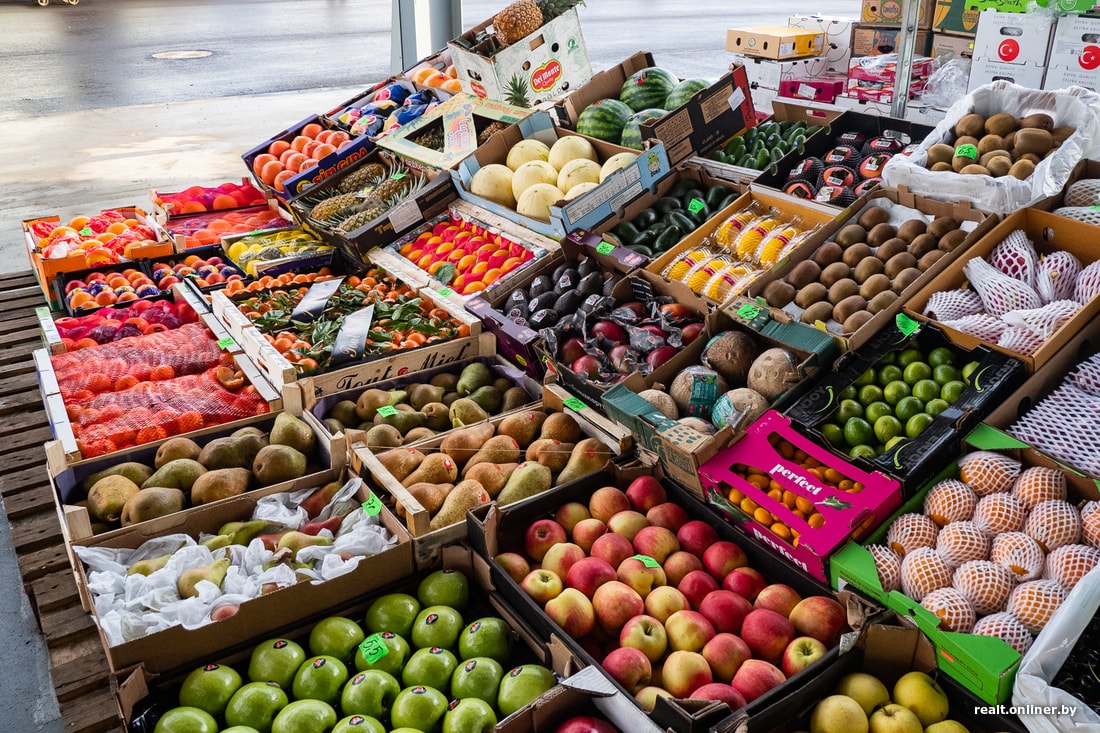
[111,324]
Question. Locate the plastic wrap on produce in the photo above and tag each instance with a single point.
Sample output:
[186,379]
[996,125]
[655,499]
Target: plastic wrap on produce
[111,324]
[1075,107]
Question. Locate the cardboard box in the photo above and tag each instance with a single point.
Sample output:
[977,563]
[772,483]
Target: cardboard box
[825,89]
[1011,46]
[542,66]
[876,40]
[892,12]
[956,16]
[775,41]
[771,73]
[838,38]
[946,47]
[1073,54]
[320,256]
[1049,233]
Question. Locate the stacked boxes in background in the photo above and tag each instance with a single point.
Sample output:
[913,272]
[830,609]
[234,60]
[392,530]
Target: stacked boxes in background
[1011,46]
[872,78]
[880,23]
[1074,54]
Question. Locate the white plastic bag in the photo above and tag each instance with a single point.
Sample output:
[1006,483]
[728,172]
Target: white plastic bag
[1075,107]
[1047,655]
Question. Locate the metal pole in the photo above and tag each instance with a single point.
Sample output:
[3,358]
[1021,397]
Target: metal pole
[907,45]
[420,28]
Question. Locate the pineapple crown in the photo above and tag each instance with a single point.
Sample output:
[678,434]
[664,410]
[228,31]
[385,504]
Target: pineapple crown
[553,8]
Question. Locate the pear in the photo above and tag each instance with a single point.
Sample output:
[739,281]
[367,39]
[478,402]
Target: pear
[214,572]
[151,503]
[437,416]
[178,474]
[423,394]
[220,484]
[316,502]
[148,567]
[446,380]
[561,426]
[249,430]
[463,443]
[368,403]
[588,456]
[524,427]
[417,434]
[401,462]
[492,476]
[175,448]
[503,384]
[551,453]
[430,496]
[294,432]
[136,472]
[488,398]
[217,541]
[514,398]
[277,463]
[108,497]
[334,426]
[436,468]
[243,532]
[231,452]
[497,449]
[527,480]
[295,541]
[465,411]
[383,436]
[474,376]
[403,420]
[465,495]
[449,399]
[344,411]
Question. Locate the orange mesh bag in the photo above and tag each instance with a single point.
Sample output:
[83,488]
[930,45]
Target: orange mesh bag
[910,531]
[1019,554]
[923,570]
[887,565]
[1035,601]
[961,542]
[1090,523]
[1053,524]
[1006,627]
[1038,484]
[999,513]
[952,607]
[950,501]
[985,584]
[987,472]
[1069,563]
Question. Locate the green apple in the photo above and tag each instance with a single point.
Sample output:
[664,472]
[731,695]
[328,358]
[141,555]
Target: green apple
[865,689]
[487,637]
[894,718]
[209,688]
[923,695]
[239,729]
[436,626]
[305,716]
[419,708]
[186,720]
[276,660]
[394,660]
[392,612]
[370,693]
[429,667]
[521,686]
[335,636]
[359,724]
[947,726]
[838,714]
[444,588]
[256,705]
[320,678]
[478,677]
[470,716]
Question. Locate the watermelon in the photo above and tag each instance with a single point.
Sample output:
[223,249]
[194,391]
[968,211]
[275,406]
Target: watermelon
[648,88]
[632,133]
[604,120]
[683,91]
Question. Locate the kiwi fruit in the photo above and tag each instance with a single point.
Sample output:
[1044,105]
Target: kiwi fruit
[951,240]
[779,293]
[905,278]
[803,274]
[1021,169]
[942,166]
[972,124]
[882,301]
[855,254]
[868,268]
[974,170]
[874,285]
[923,244]
[851,234]
[959,162]
[1060,134]
[1000,124]
[821,311]
[812,293]
[842,289]
[1030,157]
[848,306]
[911,229]
[872,217]
[834,272]
[855,321]
[994,154]
[899,262]
[942,225]
[966,140]
[880,234]
[989,143]
[827,254]
[1039,121]
[1010,141]
[929,258]
[940,153]
[890,248]
[1033,140]
[998,166]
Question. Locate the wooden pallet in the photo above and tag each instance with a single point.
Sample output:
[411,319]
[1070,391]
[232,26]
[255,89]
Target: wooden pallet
[78,664]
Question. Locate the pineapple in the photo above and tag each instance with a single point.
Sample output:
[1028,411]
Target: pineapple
[374,207]
[432,138]
[524,17]
[367,175]
[333,207]
[490,130]
[516,92]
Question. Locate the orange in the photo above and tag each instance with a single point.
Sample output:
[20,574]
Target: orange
[116,227]
[923,570]
[193,207]
[78,222]
[278,147]
[987,472]
[312,130]
[435,79]
[224,201]
[420,76]
[999,513]
[1034,602]
[953,609]
[260,160]
[125,382]
[78,298]
[309,147]
[950,501]
[162,373]
[1005,627]
[1038,484]
[888,567]
[281,179]
[323,136]
[294,162]
[452,85]
[150,433]
[189,421]
[323,150]
[106,297]
[299,143]
[286,154]
[451,71]
[910,531]
[270,169]
[98,382]
[985,584]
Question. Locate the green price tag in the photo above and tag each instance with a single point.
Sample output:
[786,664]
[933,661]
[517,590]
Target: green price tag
[226,343]
[605,248]
[748,311]
[906,325]
[387,411]
[373,648]
[696,205]
[373,505]
[397,176]
[966,151]
[646,560]
[446,292]
[574,404]
[86,232]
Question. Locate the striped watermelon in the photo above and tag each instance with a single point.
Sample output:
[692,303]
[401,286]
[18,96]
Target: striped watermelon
[683,91]
[604,120]
[648,88]
[632,133]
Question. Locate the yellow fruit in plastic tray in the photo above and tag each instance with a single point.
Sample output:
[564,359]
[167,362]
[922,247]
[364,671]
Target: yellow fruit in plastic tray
[723,283]
[681,267]
[750,239]
[775,246]
[985,584]
[727,233]
[1034,602]
[952,608]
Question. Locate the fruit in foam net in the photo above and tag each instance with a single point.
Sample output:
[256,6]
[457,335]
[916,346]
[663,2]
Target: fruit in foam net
[922,571]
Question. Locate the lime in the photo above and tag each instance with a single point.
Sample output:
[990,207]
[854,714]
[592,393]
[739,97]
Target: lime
[951,391]
[888,359]
[849,393]
[915,372]
[869,393]
[941,355]
[887,427]
[879,449]
[858,431]
[945,373]
[834,434]
[863,451]
[875,410]
[894,441]
[894,391]
[847,410]
[935,407]
[917,424]
[926,389]
[907,407]
[909,356]
[889,373]
[868,377]
[968,370]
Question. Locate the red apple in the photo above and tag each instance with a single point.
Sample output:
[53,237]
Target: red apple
[616,603]
[541,585]
[607,502]
[645,492]
[612,548]
[656,541]
[571,350]
[726,610]
[587,365]
[514,564]
[647,697]
[690,332]
[660,355]
[587,531]
[696,585]
[627,523]
[684,672]
[821,617]
[629,667]
[611,331]
[541,536]
[663,601]
[588,574]
[688,630]
[801,653]
[767,633]
[757,677]
[639,576]
[668,515]
[726,653]
[679,564]
[723,557]
[573,612]
[646,634]
[746,582]
[779,597]
[568,515]
[722,692]
[586,724]
[562,556]
[696,536]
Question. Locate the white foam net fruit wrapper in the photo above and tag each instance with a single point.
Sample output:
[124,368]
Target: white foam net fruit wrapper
[1066,423]
[1016,257]
[1020,339]
[1056,277]
[981,325]
[951,305]
[985,584]
[1006,627]
[1085,192]
[1043,322]
[1086,214]
[999,292]
[1088,282]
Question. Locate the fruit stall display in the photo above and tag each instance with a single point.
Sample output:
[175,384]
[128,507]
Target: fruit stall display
[110,236]
[287,247]
[767,143]
[105,325]
[204,230]
[292,154]
[202,199]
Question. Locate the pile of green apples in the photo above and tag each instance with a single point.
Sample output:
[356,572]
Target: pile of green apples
[414,664]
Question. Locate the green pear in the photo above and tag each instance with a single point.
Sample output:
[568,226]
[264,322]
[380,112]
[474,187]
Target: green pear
[151,503]
[465,411]
[344,411]
[294,432]
[178,474]
[588,456]
[108,497]
[277,463]
[214,572]
[231,451]
[465,495]
[295,541]
[174,448]
[527,480]
[423,394]
[474,376]
[134,471]
[147,567]
[243,532]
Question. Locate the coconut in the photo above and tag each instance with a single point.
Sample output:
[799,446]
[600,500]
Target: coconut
[699,426]
[731,354]
[696,389]
[773,373]
[739,408]
[662,401]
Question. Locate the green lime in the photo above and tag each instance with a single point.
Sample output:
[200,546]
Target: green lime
[894,391]
[849,393]
[858,431]
[926,389]
[909,356]
[869,393]
[887,427]
[834,434]
[915,372]
[945,373]
[891,358]
[951,391]
[875,410]
[941,355]
[907,407]
[889,373]
[917,424]
[968,370]
[863,451]
[868,377]
[847,410]
[879,449]
[894,441]
[935,407]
